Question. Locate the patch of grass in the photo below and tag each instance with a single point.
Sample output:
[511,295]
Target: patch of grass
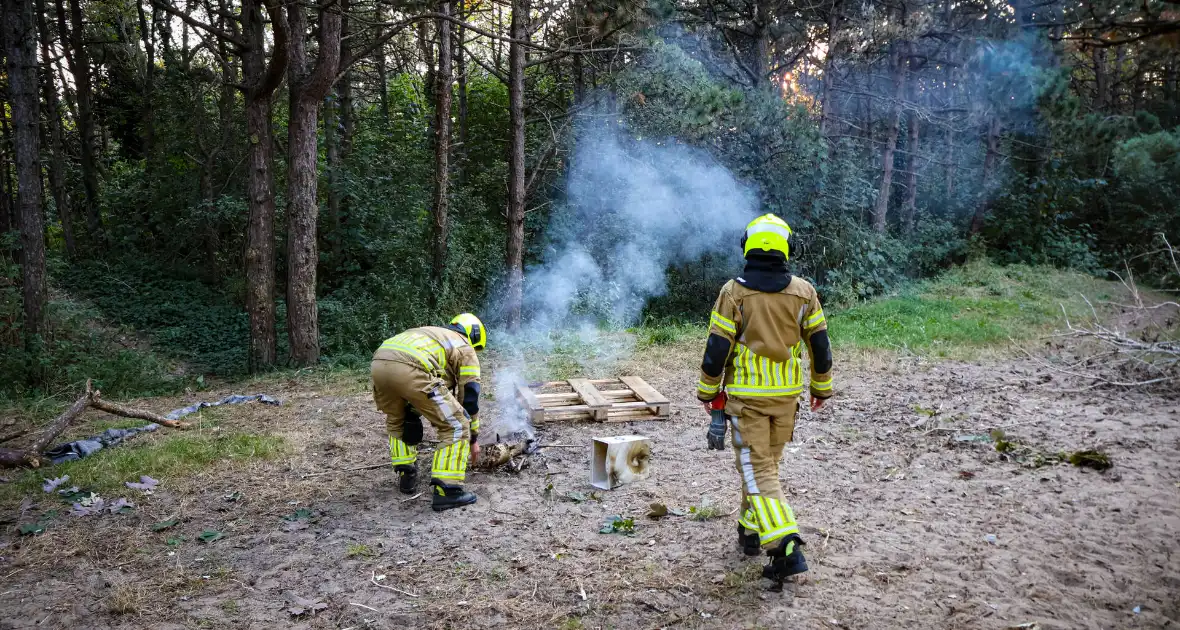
[230,606]
[571,623]
[967,309]
[124,600]
[656,335]
[176,454]
[748,574]
[359,550]
[704,512]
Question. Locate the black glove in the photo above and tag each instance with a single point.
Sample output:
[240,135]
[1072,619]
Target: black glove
[716,434]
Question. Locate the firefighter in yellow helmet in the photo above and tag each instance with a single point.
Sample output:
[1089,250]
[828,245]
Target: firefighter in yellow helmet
[422,373]
[753,369]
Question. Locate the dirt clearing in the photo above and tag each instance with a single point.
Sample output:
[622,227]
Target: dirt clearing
[912,518]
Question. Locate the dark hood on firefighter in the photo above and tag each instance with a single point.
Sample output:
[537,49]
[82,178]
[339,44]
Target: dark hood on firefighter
[765,272]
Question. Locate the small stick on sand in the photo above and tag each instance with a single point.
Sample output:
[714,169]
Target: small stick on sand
[392,588]
[329,472]
[412,498]
[365,607]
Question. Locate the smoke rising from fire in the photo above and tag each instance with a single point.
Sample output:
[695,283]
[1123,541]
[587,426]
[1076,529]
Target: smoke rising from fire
[632,208]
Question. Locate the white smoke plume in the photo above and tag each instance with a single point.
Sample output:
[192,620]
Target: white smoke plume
[632,208]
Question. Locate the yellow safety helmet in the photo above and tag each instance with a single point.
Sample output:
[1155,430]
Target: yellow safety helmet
[474,329]
[767,233]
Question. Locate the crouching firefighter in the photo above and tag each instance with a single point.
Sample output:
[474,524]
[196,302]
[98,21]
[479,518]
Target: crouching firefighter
[419,374]
[753,371]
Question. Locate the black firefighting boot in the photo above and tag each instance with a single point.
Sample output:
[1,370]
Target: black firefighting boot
[447,496]
[748,542]
[785,560]
[407,478]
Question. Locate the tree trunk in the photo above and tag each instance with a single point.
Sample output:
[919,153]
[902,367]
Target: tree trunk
[461,74]
[514,250]
[149,71]
[20,43]
[382,77]
[333,154]
[989,165]
[78,60]
[7,188]
[338,127]
[442,148]
[57,159]
[881,210]
[427,52]
[829,72]
[307,87]
[951,170]
[261,81]
[909,207]
[211,232]
[7,211]
[1101,89]
[760,63]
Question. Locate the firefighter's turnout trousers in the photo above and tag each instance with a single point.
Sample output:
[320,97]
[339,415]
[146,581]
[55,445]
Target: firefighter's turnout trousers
[396,383]
[760,430]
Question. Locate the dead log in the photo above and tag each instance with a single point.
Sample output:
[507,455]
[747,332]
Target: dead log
[493,456]
[140,414]
[63,421]
[12,458]
[12,436]
[31,457]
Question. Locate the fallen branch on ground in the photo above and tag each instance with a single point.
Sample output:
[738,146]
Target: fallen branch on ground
[33,455]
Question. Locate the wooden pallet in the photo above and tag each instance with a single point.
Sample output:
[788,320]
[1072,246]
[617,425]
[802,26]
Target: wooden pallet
[623,399]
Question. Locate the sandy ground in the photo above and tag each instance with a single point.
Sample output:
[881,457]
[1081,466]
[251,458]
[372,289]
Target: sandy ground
[907,525]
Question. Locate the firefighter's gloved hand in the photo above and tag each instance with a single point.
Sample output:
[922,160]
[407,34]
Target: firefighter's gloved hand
[716,434]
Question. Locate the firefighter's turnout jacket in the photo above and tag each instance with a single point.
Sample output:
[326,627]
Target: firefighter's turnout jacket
[762,336]
[424,370]
[757,331]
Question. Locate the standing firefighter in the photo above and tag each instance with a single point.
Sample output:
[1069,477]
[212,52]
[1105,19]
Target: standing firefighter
[753,370]
[418,374]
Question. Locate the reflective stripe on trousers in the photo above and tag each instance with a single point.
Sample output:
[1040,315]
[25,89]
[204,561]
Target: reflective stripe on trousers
[401,453]
[450,463]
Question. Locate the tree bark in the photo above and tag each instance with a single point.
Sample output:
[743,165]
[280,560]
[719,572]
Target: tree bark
[989,165]
[20,43]
[57,159]
[382,76]
[760,63]
[461,73]
[74,47]
[442,149]
[261,80]
[333,154]
[7,188]
[307,87]
[951,169]
[909,207]
[149,84]
[514,250]
[829,72]
[337,136]
[881,209]
[1098,55]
